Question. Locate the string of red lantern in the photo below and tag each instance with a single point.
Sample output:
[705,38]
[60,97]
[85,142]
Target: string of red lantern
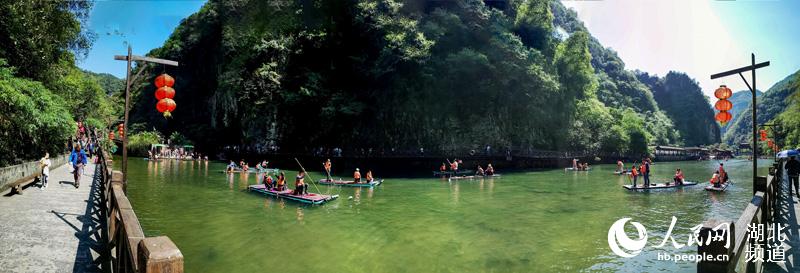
[723,105]
[164,94]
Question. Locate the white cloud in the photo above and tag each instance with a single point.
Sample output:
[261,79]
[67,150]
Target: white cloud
[659,36]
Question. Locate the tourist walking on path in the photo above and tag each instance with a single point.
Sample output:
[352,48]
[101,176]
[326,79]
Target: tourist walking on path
[45,163]
[793,170]
[77,159]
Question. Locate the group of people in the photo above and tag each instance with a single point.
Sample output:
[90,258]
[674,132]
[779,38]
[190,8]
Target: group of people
[579,166]
[718,179]
[368,178]
[489,171]
[642,170]
[453,165]
[279,183]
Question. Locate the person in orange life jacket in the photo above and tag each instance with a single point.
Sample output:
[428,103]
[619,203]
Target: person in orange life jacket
[716,180]
[723,175]
[678,177]
[634,174]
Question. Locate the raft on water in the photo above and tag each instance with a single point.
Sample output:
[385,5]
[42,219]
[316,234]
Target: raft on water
[722,188]
[659,186]
[350,183]
[577,170]
[474,177]
[451,173]
[311,198]
[238,170]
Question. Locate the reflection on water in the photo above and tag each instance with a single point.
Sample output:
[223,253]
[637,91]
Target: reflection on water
[543,221]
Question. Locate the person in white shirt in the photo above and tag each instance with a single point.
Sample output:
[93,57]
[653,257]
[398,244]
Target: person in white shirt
[45,164]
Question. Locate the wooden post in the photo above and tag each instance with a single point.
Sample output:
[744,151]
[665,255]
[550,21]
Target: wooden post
[715,248]
[760,184]
[159,255]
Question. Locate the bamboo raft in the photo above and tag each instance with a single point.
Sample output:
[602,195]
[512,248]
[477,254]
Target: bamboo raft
[311,198]
[471,177]
[659,186]
[350,183]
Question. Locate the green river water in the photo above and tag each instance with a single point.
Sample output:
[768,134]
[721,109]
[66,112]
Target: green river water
[536,221]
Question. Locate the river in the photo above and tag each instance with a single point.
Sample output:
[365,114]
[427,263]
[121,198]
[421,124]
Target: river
[529,221]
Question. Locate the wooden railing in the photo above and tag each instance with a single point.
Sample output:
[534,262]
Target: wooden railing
[132,251]
[762,209]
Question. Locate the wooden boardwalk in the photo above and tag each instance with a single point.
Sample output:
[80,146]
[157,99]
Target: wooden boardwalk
[788,210]
[55,229]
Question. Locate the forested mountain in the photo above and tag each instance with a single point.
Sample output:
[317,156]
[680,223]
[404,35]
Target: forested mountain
[618,88]
[385,74]
[683,101]
[740,100]
[773,102]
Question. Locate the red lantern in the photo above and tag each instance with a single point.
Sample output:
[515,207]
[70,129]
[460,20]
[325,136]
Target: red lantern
[166,106]
[723,92]
[110,135]
[723,117]
[763,134]
[164,80]
[770,143]
[165,92]
[723,105]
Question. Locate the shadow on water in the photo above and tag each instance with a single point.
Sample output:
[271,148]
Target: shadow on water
[92,235]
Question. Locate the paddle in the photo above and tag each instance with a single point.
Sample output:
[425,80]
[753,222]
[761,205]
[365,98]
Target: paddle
[307,174]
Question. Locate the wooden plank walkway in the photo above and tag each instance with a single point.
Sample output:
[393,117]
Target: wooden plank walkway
[55,229]
[788,210]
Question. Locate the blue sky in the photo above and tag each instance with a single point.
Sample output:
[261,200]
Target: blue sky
[143,24]
[693,36]
[699,37]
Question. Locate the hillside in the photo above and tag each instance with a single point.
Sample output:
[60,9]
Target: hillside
[389,75]
[740,100]
[683,101]
[773,102]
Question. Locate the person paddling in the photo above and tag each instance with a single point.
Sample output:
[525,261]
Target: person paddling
[723,175]
[357,176]
[620,166]
[268,183]
[327,167]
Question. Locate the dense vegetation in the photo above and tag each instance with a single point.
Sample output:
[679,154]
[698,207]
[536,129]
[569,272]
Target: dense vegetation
[770,105]
[683,101]
[385,74]
[42,92]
